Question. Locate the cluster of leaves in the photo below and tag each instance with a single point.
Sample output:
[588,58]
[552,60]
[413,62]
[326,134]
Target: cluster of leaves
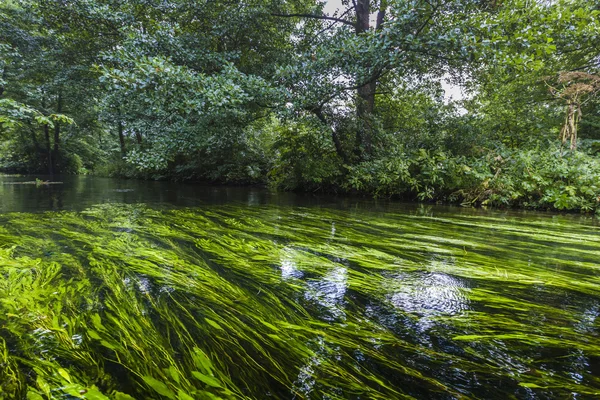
[181,111]
[13,114]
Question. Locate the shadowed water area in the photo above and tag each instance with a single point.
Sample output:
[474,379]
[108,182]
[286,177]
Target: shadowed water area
[147,290]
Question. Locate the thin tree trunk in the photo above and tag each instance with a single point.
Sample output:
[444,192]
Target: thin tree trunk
[381,14]
[48,149]
[122,139]
[57,133]
[47,137]
[120,131]
[138,137]
[2,88]
[576,118]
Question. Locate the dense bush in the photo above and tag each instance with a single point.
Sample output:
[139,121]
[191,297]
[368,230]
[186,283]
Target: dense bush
[304,159]
[23,158]
[541,178]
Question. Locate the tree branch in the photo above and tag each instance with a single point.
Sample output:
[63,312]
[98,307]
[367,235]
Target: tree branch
[315,16]
[381,15]
[339,149]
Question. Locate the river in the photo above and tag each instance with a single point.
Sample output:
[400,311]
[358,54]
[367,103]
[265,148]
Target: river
[155,290]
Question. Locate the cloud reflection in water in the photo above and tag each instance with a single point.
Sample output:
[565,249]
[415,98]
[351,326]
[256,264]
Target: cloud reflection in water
[428,293]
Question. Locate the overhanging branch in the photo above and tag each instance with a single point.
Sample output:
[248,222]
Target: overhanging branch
[315,16]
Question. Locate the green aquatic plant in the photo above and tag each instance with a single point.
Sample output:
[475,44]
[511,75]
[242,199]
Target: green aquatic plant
[232,302]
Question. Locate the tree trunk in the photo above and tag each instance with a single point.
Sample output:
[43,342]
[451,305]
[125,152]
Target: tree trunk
[57,134]
[366,93]
[363,11]
[2,88]
[569,129]
[138,137]
[120,131]
[364,111]
[48,149]
[122,139]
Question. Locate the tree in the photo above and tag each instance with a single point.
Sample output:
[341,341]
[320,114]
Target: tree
[31,83]
[576,89]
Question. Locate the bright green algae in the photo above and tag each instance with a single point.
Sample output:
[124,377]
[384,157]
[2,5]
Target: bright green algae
[126,301]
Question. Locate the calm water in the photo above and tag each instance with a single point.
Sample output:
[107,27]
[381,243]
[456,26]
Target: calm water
[151,290]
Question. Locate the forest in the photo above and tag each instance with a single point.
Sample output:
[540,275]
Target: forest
[305,95]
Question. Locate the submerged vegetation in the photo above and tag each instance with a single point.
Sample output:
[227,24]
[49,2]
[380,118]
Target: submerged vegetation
[304,97]
[234,301]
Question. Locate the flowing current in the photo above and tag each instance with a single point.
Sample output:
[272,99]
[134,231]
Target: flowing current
[147,290]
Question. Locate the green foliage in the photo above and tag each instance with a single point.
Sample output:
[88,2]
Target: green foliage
[180,112]
[305,158]
[280,93]
[535,178]
[544,179]
[421,174]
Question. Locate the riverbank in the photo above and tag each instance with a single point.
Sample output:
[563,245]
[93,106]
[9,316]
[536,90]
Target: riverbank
[549,179]
[539,179]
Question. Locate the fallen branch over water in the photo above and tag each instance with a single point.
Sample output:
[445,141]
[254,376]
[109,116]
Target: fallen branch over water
[34,183]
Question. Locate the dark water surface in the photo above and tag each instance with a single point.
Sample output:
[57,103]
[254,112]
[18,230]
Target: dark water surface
[151,290]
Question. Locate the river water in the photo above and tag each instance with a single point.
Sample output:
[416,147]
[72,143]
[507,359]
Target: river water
[154,290]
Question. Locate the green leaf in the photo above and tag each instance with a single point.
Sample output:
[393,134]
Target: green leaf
[202,361]
[31,395]
[181,395]
[62,372]
[213,324]
[93,334]
[174,373]
[159,387]
[122,396]
[209,380]
[530,385]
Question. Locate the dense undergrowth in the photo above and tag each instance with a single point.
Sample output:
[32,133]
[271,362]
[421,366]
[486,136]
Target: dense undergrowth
[545,177]
[539,179]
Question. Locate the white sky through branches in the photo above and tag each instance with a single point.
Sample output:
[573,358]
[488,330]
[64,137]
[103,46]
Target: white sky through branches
[452,91]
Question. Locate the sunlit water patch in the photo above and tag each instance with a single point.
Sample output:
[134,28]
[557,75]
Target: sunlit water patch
[260,301]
